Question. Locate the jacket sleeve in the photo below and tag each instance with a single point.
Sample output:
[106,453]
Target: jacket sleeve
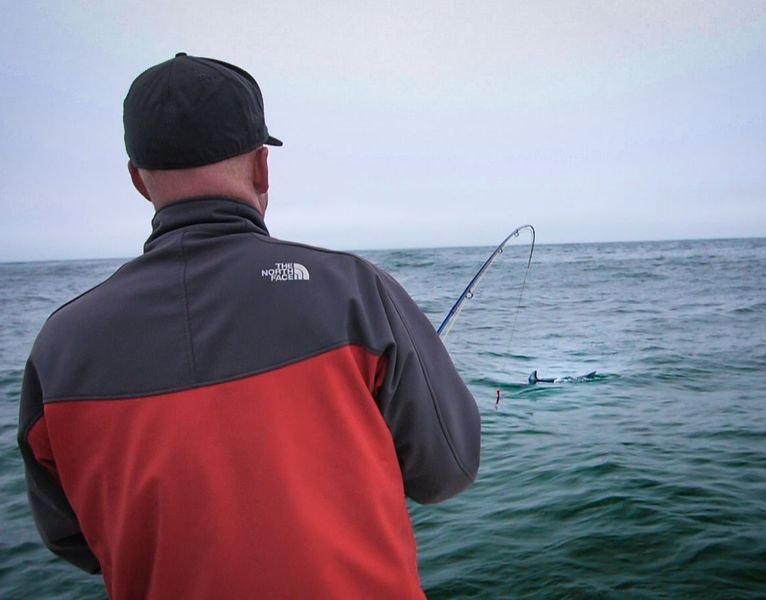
[54,517]
[432,416]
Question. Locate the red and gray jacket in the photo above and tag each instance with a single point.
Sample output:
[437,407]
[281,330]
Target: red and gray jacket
[234,416]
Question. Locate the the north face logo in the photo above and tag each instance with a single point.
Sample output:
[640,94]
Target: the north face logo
[286,272]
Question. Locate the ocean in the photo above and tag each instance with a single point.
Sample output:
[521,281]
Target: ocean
[646,481]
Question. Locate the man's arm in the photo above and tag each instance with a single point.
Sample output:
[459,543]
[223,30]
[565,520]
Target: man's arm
[432,416]
[52,513]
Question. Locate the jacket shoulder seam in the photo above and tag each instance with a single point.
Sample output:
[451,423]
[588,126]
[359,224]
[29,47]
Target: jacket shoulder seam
[89,290]
[187,312]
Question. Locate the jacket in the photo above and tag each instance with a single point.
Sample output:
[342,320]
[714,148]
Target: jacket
[234,416]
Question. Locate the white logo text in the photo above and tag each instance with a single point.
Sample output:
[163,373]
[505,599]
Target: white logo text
[286,272]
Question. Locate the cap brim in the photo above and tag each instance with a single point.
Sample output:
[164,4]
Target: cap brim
[272,141]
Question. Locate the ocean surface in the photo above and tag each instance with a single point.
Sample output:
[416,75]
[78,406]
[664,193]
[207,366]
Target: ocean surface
[648,481]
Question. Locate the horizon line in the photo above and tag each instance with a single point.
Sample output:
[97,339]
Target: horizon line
[411,248]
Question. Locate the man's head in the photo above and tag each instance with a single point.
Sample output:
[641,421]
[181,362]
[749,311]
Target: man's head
[195,126]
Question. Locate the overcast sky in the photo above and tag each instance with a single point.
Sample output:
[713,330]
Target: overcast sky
[406,124]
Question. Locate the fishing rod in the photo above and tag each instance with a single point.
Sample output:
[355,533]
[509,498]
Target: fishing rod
[470,289]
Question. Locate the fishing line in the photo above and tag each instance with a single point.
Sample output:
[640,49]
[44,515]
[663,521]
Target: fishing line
[470,290]
[523,285]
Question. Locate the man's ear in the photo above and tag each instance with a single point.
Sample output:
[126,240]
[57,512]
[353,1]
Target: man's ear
[261,170]
[138,183]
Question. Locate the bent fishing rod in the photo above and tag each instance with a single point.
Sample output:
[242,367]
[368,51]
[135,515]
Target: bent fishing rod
[470,289]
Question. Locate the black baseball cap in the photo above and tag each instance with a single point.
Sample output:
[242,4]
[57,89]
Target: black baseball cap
[191,111]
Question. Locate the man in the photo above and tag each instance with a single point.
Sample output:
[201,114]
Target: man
[230,415]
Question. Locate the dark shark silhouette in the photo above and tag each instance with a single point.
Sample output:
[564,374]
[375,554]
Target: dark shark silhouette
[533,378]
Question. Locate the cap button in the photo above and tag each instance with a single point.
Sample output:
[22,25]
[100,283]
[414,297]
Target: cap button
[180,54]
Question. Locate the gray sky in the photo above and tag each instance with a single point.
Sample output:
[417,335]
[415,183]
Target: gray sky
[405,124]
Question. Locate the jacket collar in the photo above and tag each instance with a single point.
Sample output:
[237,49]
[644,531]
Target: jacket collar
[214,213]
